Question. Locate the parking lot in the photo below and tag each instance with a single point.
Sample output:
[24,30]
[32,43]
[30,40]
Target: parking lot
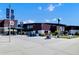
[24,45]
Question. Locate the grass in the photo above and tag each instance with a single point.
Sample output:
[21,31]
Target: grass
[69,36]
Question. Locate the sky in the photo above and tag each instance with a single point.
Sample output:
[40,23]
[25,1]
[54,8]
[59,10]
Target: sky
[68,13]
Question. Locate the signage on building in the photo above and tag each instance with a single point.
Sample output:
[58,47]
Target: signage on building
[12,22]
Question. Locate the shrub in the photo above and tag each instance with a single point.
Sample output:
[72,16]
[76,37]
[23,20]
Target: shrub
[76,33]
[54,33]
[41,34]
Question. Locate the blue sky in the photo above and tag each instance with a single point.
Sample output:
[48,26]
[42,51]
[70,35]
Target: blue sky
[44,12]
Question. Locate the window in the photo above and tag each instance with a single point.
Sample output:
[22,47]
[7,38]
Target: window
[29,26]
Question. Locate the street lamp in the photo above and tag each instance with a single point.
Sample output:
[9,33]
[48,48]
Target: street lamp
[21,24]
[58,20]
[9,21]
[58,27]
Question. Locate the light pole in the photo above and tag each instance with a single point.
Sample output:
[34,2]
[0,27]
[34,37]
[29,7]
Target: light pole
[21,24]
[58,20]
[21,27]
[9,21]
[58,27]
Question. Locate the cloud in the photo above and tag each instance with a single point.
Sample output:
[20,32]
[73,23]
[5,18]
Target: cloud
[51,7]
[24,22]
[47,20]
[28,21]
[59,4]
[40,8]
[50,20]
[54,19]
